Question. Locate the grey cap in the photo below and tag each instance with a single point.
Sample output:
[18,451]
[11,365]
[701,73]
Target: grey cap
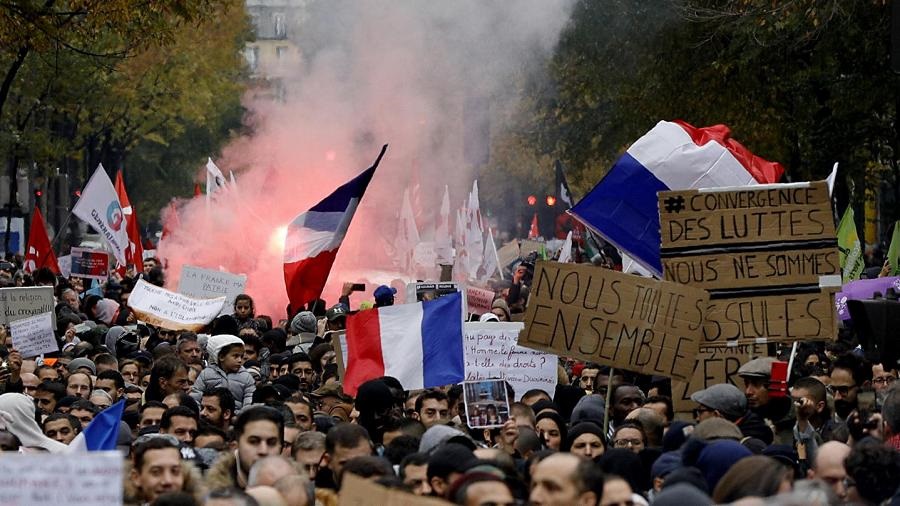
[304,321]
[757,368]
[717,428]
[82,362]
[440,434]
[724,398]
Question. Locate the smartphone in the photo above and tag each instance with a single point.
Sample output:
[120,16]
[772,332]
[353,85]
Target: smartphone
[358,287]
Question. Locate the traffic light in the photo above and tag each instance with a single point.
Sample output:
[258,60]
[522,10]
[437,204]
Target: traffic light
[532,200]
[551,200]
[38,193]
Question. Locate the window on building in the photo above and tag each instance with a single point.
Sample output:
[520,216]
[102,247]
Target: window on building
[280,29]
[252,56]
[281,52]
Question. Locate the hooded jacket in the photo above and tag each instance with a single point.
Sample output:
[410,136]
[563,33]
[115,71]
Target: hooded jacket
[17,416]
[241,384]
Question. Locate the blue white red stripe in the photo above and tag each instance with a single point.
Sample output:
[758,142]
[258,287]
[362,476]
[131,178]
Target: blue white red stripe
[419,344]
[102,433]
[622,207]
[313,238]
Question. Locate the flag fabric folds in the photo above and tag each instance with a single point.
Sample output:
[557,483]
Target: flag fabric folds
[102,433]
[40,251]
[313,238]
[99,207]
[622,207]
[135,253]
[851,257]
[419,344]
[894,251]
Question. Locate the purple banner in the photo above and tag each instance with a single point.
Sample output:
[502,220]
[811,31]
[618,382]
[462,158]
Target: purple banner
[861,290]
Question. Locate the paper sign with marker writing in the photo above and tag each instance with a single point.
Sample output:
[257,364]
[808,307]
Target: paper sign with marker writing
[19,303]
[625,321]
[715,365]
[171,310]
[43,479]
[479,300]
[208,284]
[491,352]
[33,336]
[768,256]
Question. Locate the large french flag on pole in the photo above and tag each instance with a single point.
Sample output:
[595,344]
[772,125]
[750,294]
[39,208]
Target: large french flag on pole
[419,344]
[672,156]
[313,238]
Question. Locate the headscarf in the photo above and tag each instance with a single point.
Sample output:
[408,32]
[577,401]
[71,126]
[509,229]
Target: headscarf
[17,416]
[113,335]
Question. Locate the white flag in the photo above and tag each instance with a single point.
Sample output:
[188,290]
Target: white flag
[474,233]
[99,207]
[215,180]
[408,235]
[491,260]
[565,252]
[443,246]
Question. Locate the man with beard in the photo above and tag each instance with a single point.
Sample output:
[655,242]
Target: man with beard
[217,407]
[375,404]
[777,410]
[847,376]
[300,365]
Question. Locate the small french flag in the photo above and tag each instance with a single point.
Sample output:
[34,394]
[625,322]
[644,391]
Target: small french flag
[102,433]
[419,344]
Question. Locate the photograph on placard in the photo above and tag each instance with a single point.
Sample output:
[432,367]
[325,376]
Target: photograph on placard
[487,403]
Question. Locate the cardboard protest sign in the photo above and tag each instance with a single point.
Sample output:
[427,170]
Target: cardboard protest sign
[508,253]
[209,284]
[171,310]
[358,491]
[767,254]
[44,479]
[715,365]
[19,303]
[33,336]
[339,343]
[89,263]
[625,321]
[490,351]
[486,403]
[479,300]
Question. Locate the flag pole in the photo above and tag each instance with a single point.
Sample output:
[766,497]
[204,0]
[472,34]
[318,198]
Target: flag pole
[609,390]
[62,227]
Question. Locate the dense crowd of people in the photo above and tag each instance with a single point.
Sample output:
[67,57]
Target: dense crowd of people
[252,411]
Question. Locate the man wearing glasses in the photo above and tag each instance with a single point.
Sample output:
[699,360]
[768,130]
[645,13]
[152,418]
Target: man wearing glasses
[847,376]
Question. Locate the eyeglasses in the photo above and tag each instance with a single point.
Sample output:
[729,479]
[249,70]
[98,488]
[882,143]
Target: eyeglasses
[699,410]
[884,380]
[840,389]
[627,443]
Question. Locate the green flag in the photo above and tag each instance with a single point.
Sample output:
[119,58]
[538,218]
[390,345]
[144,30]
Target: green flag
[894,251]
[850,250]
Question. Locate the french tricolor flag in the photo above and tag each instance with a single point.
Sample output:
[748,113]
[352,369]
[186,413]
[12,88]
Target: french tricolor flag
[313,238]
[102,433]
[419,344]
[672,156]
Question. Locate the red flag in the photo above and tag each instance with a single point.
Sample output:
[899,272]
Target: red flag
[533,232]
[197,191]
[135,253]
[40,252]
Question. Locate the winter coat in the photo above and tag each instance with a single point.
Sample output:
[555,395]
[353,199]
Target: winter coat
[241,385]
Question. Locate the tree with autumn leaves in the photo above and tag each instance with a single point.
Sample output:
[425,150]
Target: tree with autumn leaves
[151,87]
[803,82]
